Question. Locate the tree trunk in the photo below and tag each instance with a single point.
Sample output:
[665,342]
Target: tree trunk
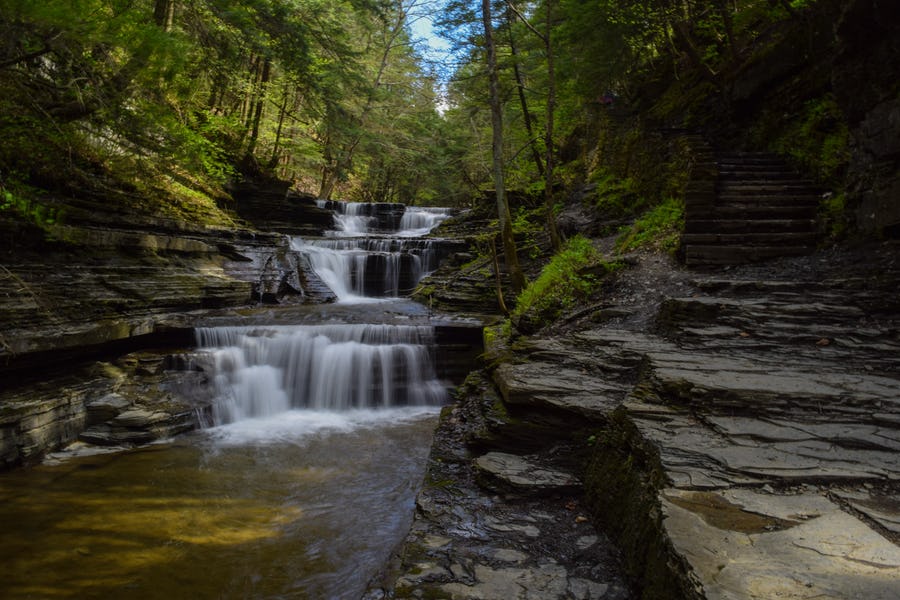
[164,14]
[684,35]
[520,87]
[548,140]
[260,102]
[551,107]
[728,22]
[506,234]
[282,114]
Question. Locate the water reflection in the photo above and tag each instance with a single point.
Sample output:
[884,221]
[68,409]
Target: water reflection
[307,505]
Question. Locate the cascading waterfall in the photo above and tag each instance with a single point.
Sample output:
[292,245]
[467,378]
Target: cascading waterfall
[420,220]
[264,371]
[373,254]
[352,218]
[369,267]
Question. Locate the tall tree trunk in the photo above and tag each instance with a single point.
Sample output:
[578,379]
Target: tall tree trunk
[548,139]
[250,97]
[728,22]
[520,88]
[683,34]
[506,234]
[282,114]
[164,14]
[551,107]
[260,102]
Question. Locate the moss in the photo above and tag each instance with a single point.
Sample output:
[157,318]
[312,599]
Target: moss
[658,229]
[566,279]
[817,140]
[834,216]
[615,196]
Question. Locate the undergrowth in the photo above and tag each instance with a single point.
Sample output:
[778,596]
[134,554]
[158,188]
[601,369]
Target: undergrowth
[657,229]
[570,277]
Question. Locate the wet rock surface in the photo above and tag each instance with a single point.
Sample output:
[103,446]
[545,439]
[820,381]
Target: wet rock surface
[137,398]
[494,525]
[740,429]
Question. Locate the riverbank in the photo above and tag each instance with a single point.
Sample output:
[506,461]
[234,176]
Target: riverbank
[734,431]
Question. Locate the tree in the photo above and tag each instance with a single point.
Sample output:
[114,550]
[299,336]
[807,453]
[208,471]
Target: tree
[506,234]
[549,158]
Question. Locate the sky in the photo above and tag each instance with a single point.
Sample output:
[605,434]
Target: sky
[421,23]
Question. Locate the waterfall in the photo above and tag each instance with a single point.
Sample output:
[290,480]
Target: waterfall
[420,220]
[369,267]
[264,371]
[374,254]
[352,218]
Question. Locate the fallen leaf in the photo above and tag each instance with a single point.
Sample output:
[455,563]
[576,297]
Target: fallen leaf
[823,342]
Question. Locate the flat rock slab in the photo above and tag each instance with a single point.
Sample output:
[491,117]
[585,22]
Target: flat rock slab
[543,384]
[797,546]
[139,418]
[522,473]
[882,508]
[535,583]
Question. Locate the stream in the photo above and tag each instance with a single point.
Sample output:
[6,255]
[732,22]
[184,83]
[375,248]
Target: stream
[303,480]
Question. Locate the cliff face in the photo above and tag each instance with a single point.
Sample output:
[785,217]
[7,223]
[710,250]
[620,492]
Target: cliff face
[819,88]
[867,87]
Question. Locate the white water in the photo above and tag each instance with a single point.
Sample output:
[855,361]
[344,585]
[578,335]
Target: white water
[420,220]
[361,268]
[358,267]
[296,427]
[351,217]
[263,372]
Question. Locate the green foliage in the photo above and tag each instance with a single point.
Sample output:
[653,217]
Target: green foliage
[833,212]
[817,140]
[526,226]
[569,277]
[658,229]
[102,89]
[615,196]
[22,204]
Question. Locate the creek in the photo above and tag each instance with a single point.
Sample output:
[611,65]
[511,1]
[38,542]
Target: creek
[302,480]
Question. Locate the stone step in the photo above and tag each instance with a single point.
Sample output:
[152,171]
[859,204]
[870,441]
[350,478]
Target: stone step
[750,158]
[700,225]
[767,199]
[869,350]
[761,174]
[679,312]
[503,472]
[713,254]
[761,212]
[728,386]
[790,187]
[752,239]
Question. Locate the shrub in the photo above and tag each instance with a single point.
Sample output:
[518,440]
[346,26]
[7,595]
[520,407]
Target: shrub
[659,229]
[568,278]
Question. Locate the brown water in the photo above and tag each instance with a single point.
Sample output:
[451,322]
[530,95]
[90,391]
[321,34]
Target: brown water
[306,505]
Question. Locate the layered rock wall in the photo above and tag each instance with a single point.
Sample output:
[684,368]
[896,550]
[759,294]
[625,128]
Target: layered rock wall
[867,87]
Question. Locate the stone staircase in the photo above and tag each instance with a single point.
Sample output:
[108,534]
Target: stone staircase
[747,207]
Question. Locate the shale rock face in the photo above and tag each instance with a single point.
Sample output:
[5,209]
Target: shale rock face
[742,445]
[104,281]
[136,399]
[273,206]
[866,86]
